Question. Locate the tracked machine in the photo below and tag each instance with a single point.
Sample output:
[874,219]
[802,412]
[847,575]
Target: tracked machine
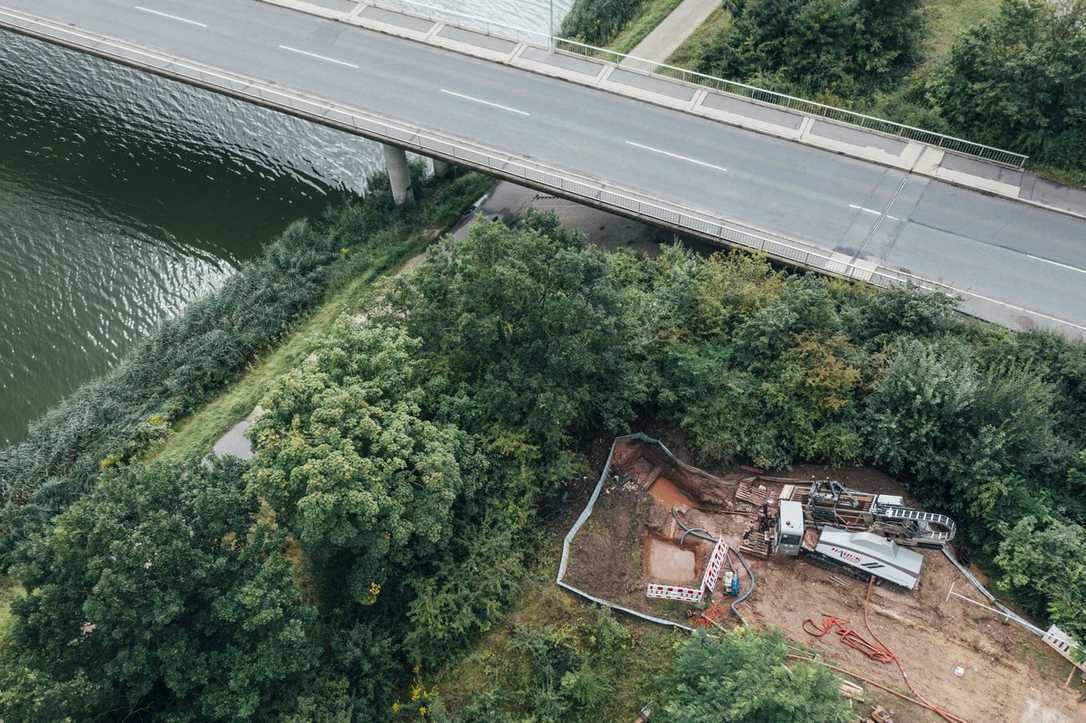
[827,503]
[863,533]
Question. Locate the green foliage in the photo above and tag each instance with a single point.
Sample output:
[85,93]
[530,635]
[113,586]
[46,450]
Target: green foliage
[467,593]
[915,412]
[553,673]
[818,46]
[1019,80]
[182,364]
[526,329]
[597,22]
[350,463]
[156,592]
[742,678]
[1044,564]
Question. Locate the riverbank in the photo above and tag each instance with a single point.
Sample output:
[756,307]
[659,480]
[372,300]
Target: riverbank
[213,345]
[392,247]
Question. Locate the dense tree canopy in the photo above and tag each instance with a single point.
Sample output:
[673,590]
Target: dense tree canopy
[350,463]
[527,328]
[815,46]
[158,593]
[742,678]
[1019,80]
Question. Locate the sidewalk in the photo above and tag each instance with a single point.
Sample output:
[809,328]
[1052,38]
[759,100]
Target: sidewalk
[666,38]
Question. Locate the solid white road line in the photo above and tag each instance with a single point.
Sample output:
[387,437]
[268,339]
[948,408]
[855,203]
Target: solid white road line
[677,156]
[872,211]
[167,15]
[485,102]
[318,57]
[1054,263]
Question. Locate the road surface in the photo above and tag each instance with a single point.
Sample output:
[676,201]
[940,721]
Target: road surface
[1029,263]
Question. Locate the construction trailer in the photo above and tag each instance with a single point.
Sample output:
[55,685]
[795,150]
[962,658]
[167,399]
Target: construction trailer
[862,554]
[828,503]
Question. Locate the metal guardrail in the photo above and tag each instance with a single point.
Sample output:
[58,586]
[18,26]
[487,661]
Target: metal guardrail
[528,171]
[810,107]
[691,77]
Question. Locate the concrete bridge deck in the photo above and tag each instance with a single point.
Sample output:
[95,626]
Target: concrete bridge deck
[1016,264]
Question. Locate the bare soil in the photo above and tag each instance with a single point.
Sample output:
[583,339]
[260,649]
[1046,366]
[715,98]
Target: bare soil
[1010,676]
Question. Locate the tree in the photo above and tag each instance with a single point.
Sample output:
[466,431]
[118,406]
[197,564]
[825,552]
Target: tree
[158,595]
[352,465]
[527,329]
[815,46]
[1019,80]
[1044,563]
[742,678]
[917,409]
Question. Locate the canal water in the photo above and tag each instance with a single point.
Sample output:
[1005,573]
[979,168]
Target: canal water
[123,197]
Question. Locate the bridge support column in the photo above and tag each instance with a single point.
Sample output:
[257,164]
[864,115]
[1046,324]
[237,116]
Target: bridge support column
[399,174]
[441,168]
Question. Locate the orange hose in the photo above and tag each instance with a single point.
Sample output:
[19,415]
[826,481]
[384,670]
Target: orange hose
[849,637]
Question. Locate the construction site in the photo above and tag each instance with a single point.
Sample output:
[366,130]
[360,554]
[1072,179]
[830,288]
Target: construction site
[840,561]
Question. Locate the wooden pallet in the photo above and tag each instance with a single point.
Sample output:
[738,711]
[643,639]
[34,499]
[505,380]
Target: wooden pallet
[757,545]
[747,492]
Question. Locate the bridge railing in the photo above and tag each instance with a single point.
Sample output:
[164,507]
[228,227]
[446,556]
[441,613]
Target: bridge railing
[592,191]
[810,107]
[691,77]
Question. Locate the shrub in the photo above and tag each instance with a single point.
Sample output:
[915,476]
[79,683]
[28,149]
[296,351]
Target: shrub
[743,678]
[157,592]
[597,22]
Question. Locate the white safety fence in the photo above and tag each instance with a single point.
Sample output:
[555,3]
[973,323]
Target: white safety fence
[592,191]
[674,592]
[713,568]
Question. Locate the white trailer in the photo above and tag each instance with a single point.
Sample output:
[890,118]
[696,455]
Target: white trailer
[864,554]
[868,553]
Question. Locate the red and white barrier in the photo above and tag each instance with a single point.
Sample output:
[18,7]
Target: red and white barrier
[708,580]
[673,592]
[712,570]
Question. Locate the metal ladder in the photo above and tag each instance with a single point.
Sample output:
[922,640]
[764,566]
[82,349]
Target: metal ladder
[906,513]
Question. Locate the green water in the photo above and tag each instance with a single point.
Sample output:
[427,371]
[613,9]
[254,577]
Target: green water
[122,198]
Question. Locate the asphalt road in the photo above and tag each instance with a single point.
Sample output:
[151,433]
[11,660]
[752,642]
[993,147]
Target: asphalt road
[1030,262]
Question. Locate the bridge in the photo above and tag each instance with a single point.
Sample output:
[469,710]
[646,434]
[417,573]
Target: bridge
[806,189]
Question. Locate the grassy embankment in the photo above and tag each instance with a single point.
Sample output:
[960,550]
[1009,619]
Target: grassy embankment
[617,25]
[405,239]
[708,34]
[947,19]
[636,671]
[9,590]
[652,13]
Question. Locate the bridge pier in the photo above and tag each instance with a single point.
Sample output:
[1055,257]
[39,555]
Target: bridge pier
[441,168]
[399,174]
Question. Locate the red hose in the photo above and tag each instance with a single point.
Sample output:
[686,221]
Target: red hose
[941,712]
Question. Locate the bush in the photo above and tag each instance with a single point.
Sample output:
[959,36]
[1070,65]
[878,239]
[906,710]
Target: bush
[743,678]
[818,46]
[1018,80]
[597,22]
[157,592]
